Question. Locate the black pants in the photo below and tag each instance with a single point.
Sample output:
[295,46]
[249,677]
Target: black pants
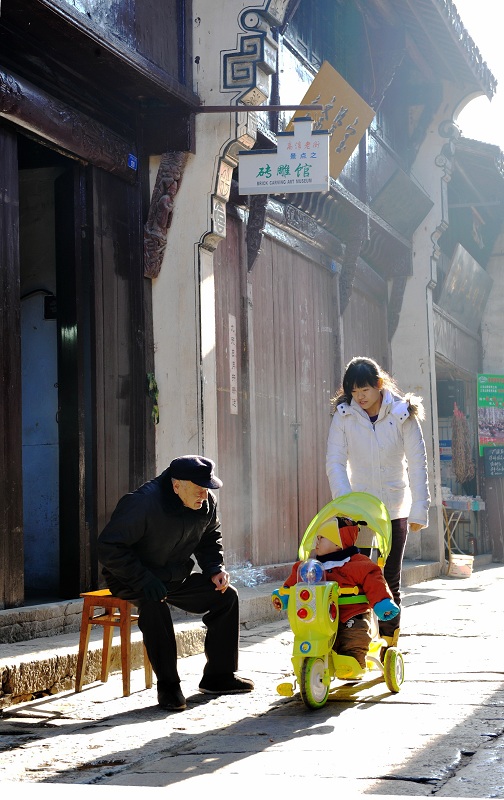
[196,595]
[392,571]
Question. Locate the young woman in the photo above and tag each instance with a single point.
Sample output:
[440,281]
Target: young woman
[376,445]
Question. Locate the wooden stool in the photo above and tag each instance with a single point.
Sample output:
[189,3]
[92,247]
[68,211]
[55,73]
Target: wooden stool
[118,614]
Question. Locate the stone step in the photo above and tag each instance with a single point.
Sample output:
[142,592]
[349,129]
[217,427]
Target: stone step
[40,654]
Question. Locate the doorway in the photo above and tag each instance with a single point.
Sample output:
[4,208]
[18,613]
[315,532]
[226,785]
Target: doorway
[76,330]
[52,403]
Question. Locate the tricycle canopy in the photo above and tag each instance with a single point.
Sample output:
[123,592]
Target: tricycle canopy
[363,508]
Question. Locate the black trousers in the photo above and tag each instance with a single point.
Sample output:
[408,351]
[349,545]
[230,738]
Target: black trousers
[392,571]
[196,595]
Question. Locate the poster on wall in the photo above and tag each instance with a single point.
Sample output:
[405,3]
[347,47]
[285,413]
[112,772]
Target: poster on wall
[490,411]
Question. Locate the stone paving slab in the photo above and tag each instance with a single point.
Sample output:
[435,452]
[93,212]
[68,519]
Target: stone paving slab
[229,785]
[443,733]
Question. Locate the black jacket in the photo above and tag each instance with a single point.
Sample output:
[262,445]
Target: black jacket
[151,532]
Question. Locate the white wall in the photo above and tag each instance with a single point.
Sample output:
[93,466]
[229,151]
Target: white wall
[184,348]
[413,344]
[492,328]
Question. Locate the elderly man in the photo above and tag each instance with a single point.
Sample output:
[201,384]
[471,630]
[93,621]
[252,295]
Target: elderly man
[146,551]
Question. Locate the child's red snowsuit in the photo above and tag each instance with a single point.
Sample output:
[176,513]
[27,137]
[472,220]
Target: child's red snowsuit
[358,571]
[354,628]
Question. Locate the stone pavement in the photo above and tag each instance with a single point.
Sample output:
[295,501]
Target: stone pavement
[41,663]
[442,734]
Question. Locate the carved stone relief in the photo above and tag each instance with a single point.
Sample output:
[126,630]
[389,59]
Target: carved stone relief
[160,213]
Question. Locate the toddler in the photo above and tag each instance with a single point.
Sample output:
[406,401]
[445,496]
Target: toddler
[335,549]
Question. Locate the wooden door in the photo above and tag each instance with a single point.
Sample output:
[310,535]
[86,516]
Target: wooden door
[365,321]
[101,361]
[11,496]
[273,450]
[232,366]
[275,422]
[292,331]
[74,376]
[123,427]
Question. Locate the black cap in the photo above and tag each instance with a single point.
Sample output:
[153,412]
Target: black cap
[196,469]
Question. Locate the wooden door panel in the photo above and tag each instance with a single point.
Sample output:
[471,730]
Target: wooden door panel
[287,341]
[272,506]
[71,269]
[119,352]
[286,423]
[365,328]
[233,440]
[11,481]
[312,290]
[293,368]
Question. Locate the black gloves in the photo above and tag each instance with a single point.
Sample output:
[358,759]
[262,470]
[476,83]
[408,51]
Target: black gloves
[154,590]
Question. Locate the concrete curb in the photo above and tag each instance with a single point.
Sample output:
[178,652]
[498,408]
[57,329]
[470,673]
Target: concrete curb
[46,664]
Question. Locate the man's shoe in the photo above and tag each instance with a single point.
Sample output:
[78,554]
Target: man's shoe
[225,684]
[171,698]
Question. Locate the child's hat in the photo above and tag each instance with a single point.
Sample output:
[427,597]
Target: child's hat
[343,535]
[330,530]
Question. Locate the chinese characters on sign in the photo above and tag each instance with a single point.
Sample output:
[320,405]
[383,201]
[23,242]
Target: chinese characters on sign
[494,461]
[233,370]
[345,115]
[299,164]
[490,411]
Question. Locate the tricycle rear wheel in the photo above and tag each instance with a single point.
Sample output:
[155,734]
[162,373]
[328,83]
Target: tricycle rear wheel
[313,690]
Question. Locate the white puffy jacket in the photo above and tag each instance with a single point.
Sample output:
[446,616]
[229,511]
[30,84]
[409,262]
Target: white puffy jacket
[386,459]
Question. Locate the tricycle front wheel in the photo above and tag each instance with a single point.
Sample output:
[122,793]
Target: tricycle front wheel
[314,691]
[393,669]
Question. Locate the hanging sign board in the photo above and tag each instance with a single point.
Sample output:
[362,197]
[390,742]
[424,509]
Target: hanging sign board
[490,411]
[345,115]
[299,164]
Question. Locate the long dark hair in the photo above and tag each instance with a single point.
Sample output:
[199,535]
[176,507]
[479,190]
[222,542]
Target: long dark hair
[362,371]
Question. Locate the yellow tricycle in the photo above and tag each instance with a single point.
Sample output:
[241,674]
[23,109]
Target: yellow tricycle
[313,605]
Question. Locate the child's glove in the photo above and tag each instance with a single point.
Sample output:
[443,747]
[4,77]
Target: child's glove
[280,598]
[386,609]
